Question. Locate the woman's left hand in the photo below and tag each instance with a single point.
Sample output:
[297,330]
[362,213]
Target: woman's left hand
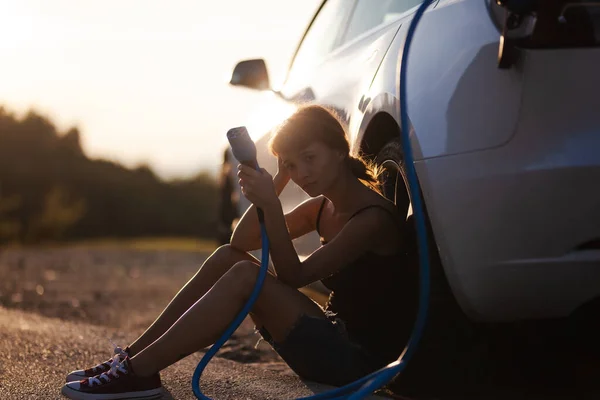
[257,186]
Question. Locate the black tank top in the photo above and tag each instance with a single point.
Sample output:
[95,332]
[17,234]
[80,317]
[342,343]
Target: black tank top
[376,296]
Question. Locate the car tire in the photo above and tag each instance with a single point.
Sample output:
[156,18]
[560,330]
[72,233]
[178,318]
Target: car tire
[448,357]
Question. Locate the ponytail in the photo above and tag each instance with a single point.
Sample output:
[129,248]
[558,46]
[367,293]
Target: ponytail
[367,172]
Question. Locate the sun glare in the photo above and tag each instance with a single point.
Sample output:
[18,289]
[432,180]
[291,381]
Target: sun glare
[271,112]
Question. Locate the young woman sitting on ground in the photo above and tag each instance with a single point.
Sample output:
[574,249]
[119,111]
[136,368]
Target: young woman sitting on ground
[367,319]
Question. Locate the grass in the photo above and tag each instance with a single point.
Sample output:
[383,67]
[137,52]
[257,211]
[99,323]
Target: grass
[151,243]
[183,244]
[142,243]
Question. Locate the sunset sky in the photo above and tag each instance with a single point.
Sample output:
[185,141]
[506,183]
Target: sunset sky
[144,80]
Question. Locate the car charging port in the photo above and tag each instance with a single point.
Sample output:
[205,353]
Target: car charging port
[544,24]
[515,18]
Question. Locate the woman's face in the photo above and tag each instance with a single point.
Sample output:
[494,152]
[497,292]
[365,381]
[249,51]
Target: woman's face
[313,168]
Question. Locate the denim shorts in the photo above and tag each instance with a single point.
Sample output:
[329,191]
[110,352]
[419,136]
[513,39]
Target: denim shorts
[320,350]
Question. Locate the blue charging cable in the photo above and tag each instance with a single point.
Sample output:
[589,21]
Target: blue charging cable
[368,384]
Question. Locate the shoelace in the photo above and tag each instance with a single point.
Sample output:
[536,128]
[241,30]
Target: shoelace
[104,377]
[117,351]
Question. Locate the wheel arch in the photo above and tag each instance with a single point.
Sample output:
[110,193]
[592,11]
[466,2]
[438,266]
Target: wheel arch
[379,124]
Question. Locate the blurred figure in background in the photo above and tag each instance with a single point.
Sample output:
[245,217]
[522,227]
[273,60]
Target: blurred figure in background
[227,202]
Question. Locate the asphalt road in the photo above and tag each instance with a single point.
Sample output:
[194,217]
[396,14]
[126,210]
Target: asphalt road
[59,307]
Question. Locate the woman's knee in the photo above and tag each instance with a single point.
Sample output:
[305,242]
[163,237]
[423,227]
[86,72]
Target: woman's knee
[217,264]
[227,255]
[226,251]
[243,275]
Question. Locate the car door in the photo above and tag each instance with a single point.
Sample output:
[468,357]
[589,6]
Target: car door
[322,37]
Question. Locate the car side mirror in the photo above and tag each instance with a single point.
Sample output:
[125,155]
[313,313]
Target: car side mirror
[251,74]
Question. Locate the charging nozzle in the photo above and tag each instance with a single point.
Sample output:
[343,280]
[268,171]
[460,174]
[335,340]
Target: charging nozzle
[243,148]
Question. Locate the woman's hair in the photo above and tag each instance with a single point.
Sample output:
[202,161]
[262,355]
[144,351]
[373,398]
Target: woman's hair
[314,123]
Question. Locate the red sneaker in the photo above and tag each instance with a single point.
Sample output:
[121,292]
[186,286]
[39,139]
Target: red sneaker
[119,382]
[98,369]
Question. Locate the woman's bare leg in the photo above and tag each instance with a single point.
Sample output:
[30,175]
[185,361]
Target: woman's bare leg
[278,307]
[217,264]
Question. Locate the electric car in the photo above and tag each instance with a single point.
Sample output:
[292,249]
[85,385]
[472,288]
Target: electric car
[504,109]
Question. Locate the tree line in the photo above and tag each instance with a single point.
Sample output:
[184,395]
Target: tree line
[51,190]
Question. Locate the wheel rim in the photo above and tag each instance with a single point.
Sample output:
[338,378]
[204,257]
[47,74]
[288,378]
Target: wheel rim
[394,186]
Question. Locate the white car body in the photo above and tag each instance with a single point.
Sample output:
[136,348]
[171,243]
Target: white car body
[508,159]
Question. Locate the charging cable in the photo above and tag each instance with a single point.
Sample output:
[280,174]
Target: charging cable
[245,152]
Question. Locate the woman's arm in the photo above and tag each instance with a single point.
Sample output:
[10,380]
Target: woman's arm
[246,236]
[283,254]
[362,233]
[256,185]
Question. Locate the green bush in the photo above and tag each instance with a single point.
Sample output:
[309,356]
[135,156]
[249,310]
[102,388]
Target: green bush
[51,190]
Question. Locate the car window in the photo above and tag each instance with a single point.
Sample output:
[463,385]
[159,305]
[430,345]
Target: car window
[370,13]
[323,34]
